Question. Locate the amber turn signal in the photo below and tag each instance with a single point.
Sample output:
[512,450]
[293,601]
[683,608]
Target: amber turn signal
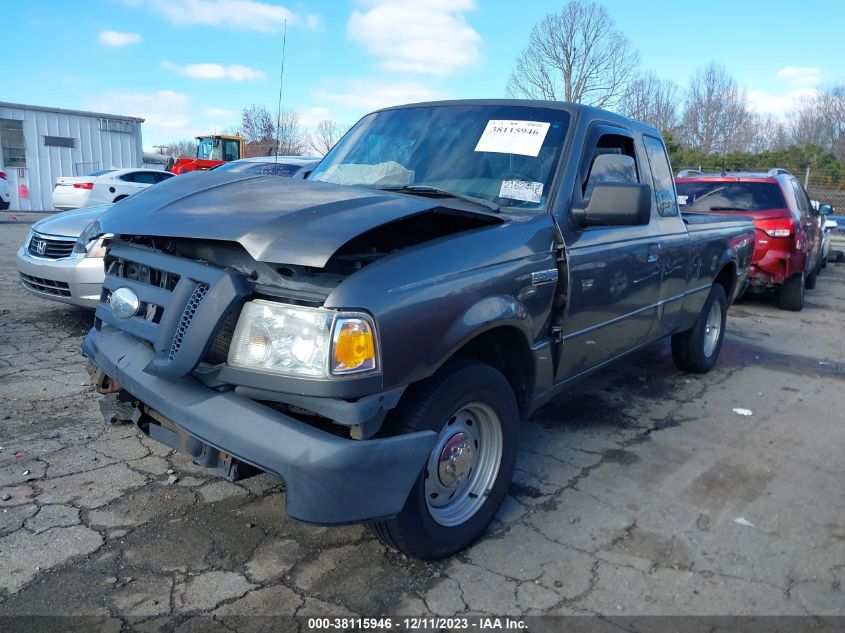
[354,346]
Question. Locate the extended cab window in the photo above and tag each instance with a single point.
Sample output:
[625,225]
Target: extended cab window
[612,160]
[661,173]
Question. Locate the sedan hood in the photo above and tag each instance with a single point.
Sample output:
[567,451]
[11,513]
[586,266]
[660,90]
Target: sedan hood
[277,220]
[70,223]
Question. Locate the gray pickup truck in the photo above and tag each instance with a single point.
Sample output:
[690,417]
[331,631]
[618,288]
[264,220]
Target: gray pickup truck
[373,333]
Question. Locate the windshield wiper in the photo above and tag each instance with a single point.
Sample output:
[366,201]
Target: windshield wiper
[424,189]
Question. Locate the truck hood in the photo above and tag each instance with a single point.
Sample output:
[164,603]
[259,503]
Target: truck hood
[70,223]
[275,219]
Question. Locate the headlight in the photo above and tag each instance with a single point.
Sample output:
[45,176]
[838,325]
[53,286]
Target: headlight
[285,339]
[28,238]
[90,242]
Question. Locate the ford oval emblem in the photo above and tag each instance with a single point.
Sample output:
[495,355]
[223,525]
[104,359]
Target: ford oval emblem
[124,303]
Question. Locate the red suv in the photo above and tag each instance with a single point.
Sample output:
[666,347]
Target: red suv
[787,249]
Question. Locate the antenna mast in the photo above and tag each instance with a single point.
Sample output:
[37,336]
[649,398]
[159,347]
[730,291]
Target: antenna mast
[281,85]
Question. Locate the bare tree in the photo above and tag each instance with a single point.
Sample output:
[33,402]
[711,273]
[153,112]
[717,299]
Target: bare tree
[716,117]
[575,55]
[257,125]
[653,101]
[186,148]
[820,120]
[769,134]
[291,140]
[325,136]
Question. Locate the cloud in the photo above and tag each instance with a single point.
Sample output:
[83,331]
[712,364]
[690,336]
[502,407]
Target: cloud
[310,117]
[365,95]
[221,113]
[247,15]
[800,75]
[116,38]
[426,36]
[216,71]
[767,103]
[166,113]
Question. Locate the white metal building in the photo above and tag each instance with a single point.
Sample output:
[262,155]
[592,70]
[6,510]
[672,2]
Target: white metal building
[42,144]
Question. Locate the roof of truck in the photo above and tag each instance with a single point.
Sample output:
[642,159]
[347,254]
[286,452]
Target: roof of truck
[574,109]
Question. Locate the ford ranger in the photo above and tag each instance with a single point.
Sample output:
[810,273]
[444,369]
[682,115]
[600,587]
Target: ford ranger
[374,332]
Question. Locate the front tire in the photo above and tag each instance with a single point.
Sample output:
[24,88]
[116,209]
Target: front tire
[697,349]
[466,477]
[791,293]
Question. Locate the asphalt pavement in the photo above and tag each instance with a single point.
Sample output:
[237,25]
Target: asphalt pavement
[640,492]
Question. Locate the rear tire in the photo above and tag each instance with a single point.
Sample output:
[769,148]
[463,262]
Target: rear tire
[697,349]
[473,408]
[791,293]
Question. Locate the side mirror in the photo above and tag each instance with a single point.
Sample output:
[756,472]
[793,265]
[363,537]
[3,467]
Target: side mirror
[825,209]
[616,204]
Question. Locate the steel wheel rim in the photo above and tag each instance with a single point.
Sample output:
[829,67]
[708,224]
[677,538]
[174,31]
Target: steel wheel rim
[712,328]
[464,464]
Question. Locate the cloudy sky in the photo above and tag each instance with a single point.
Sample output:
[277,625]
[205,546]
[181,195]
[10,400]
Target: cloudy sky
[189,66]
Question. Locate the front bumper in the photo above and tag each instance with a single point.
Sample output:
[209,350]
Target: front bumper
[75,280]
[329,480]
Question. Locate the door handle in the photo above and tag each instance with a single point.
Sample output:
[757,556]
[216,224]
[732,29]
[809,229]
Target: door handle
[653,253]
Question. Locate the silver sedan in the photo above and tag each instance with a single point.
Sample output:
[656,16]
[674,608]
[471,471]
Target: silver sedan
[58,261]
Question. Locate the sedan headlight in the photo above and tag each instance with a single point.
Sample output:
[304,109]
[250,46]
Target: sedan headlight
[299,341]
[91,241]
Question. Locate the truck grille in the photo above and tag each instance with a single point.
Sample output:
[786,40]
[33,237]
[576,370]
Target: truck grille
[51,247]
[47,286]
[182,304]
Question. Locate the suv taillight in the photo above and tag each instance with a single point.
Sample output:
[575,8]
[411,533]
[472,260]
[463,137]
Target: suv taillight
[83,185]
[777,227]
[2,175]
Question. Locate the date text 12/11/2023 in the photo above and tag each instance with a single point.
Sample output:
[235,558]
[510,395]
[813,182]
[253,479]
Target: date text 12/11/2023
[479,623]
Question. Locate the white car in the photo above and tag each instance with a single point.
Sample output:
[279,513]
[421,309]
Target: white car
[102,187]
[62,261]
[5,192]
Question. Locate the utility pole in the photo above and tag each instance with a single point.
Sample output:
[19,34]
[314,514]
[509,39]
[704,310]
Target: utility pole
[160,148]
[807,177]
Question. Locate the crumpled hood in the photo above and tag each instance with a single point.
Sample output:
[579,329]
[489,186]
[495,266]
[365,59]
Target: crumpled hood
[70,223]
[275,219]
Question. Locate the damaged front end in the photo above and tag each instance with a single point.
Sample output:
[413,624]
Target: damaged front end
[167,353]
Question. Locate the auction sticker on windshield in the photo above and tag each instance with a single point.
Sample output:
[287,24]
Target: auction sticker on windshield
[521,190]
[513,137]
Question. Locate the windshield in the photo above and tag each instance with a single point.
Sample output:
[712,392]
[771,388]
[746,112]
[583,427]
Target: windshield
[102,172]
[209,149]
[730,196]
[267,169]
[506,155]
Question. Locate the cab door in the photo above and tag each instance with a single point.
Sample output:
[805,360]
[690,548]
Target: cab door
[614,271]
[674,240]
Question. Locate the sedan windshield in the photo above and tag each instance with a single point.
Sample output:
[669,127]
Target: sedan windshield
[503,155]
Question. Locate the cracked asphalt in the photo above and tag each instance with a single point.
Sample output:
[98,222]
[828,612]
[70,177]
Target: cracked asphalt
[638,492]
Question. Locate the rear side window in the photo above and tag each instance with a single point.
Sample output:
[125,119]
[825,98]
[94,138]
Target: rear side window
[163,175]
[145,177]
[730,196]
[801,197]
[661,173]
